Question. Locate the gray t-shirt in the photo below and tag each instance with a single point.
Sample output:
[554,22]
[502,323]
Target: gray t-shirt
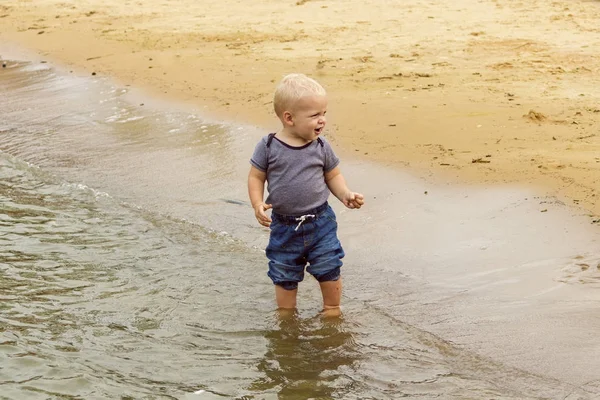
[295,175]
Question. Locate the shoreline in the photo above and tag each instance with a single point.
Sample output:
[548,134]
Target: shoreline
[487,104]
[490,269]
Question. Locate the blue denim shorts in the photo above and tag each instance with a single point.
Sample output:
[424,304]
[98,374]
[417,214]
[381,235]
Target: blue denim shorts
[295,244]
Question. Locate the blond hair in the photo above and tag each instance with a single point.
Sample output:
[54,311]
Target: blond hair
[293,87]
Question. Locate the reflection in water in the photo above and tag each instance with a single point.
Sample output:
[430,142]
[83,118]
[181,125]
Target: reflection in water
[307,358]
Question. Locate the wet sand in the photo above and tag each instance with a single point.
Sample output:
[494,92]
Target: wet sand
[476,91]
[498,270]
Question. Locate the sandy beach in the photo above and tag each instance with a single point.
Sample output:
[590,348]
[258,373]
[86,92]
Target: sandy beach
[475,91]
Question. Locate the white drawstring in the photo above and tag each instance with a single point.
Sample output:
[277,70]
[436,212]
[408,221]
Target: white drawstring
[302,219]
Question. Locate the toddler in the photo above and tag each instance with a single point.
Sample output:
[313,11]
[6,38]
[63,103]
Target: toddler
[301,170]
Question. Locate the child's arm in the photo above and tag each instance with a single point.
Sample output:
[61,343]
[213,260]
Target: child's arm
[337,184]
[256,190]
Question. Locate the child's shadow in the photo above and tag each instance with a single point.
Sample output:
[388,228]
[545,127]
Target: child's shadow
[307,358]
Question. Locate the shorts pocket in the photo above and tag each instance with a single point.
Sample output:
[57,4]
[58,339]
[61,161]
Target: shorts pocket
[278,236]
[330,215]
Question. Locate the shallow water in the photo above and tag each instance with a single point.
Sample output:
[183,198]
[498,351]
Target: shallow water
[131,266]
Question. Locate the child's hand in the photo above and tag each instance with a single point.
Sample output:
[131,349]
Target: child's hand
[261,216]
[353,200]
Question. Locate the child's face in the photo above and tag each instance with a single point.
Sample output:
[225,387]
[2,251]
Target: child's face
[308,117]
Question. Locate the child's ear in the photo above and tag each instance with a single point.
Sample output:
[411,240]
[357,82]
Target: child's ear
[288,118]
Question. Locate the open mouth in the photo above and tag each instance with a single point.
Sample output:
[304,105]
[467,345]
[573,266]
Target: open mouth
[319,130]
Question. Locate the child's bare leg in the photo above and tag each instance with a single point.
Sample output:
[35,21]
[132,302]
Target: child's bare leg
[286,299]
[332,296]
